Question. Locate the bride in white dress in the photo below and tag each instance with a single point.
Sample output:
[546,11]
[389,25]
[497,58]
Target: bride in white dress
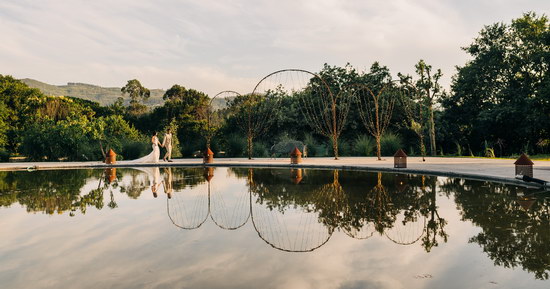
[154,156]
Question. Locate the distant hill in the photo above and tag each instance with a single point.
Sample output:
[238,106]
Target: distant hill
[103,95]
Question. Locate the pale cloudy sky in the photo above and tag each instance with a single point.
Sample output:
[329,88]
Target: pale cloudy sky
[230,45]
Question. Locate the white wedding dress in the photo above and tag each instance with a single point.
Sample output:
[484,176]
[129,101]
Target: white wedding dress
[153,157]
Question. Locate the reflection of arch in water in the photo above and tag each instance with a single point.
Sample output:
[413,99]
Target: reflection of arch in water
[295,228]
[228,210]
[291,230]
[364,232]
[406,230]
[189,208]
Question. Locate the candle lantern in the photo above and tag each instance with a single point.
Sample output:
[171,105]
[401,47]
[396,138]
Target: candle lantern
[400,159]
[524,166]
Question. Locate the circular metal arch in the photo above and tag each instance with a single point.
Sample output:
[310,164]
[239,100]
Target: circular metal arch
[294,70]
[208,121]
[251,131]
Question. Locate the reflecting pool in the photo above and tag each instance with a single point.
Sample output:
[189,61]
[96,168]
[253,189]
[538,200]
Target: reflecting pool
[268,228]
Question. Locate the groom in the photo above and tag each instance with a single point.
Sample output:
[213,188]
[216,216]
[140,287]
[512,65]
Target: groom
[167,143]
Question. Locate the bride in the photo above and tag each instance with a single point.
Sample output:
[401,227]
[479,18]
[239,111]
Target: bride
[154,156]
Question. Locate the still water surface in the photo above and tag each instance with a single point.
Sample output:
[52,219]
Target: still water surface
[268,228]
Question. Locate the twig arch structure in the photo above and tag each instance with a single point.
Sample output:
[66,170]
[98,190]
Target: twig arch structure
[321,109]
[210,125]
[375,107]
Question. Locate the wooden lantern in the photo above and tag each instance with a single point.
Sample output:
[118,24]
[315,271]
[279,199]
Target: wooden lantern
[208,156]
[295,156]
[524,166]
[111,157]
[400,159]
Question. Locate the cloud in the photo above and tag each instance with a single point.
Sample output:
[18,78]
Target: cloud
[219,45]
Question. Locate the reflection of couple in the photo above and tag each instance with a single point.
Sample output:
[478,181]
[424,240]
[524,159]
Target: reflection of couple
[154,156]
[156,181]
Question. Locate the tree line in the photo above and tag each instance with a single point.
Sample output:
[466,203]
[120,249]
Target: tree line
[498,105]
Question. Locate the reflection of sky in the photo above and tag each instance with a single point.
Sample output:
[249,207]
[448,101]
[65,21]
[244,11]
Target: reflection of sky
[136,246]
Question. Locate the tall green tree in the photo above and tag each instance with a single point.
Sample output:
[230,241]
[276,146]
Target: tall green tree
[137,94]
[503,93]
[187,108]
[430,90]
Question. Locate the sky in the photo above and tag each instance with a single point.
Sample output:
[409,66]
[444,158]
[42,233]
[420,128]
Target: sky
[221,45]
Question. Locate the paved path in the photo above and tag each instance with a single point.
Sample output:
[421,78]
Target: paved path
[475,168]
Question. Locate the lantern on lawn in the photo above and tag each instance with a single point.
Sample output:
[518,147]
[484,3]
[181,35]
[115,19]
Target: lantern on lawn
[111,157]
[208,156]
[524,166]
[295,156]
[400,159]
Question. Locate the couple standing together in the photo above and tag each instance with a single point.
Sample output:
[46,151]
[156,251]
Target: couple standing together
[154,156]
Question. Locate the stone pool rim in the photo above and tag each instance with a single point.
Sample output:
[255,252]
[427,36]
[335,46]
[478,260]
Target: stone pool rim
[444,169]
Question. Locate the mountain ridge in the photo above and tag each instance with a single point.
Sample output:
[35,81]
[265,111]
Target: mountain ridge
[102,95]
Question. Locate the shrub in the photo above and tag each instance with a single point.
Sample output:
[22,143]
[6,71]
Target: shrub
[411,151]
[260,150]
[458,149]
[489,152]
[135,149]
[284,147]
[314,149]
[344,148]
[363,145]
[4,155]
[390,143]
[320,150]
[236,146]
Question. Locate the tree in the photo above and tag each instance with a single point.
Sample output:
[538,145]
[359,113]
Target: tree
[21,103]
[137,93]
[430,89]
[376,101]
[4,125]
[503,91]
[413,108]
[187,108]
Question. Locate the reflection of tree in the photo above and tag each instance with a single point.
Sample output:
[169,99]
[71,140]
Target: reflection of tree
[391,207]
[51,192]
[511,235]
[136,186]
[436,224]
[381,205]
[342,200]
